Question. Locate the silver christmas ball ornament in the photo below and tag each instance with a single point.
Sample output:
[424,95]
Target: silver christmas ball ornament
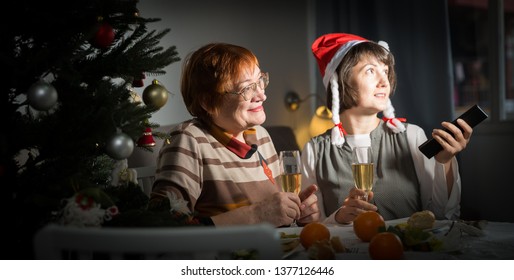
[42,96]
[120,146]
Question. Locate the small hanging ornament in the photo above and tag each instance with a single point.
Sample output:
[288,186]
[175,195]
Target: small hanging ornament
[155,95]
[42,96]
[132,14]
[139,81]
[121,174]
[120,146]
[135,98]
[147,139]
[104,36]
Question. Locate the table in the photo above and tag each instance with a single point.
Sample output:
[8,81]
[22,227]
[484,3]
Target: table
[495,241]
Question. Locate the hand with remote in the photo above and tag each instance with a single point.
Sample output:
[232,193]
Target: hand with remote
[472,117]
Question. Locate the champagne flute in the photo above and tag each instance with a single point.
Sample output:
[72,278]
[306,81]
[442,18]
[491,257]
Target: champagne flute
[362,169]
[290,174]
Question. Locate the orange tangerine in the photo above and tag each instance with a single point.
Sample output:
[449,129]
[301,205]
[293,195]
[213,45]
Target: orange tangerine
[313,232]
[385,246]
[367,224]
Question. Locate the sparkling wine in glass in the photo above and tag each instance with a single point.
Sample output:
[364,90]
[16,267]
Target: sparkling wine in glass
[290,174]
[362,169]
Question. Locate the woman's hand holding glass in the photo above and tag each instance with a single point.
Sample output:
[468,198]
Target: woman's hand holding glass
[363,169]
[359,197]
[353,205]
[309,211]
[279,209]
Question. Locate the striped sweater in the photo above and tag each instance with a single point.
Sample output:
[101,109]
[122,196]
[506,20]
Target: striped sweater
[212,178]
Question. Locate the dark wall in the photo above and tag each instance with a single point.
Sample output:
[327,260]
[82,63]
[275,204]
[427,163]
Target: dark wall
[487,169]
[419,36]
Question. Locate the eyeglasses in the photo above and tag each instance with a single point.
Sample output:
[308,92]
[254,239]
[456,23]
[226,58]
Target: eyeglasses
[250,90]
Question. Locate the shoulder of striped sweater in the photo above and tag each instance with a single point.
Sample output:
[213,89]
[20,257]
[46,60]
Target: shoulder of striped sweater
[263,136]
[192,126]
[265,143]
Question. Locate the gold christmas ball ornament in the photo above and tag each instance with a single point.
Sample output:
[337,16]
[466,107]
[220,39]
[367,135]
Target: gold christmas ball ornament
[155,95]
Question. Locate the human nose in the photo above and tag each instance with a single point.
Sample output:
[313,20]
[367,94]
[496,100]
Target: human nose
[383,80]
[258,92]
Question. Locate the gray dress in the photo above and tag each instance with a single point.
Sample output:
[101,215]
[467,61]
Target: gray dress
[396,188]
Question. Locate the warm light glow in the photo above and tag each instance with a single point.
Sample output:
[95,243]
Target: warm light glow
[321,121]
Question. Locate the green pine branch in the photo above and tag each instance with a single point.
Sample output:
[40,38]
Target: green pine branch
[46,157]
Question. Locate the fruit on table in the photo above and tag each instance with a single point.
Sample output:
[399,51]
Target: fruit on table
[421,220]
[368,224]
[313,232]
[321,250]
[385,246]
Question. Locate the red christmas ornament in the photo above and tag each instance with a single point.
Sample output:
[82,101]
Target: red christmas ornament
[104,36]
[147,139]
[139,82]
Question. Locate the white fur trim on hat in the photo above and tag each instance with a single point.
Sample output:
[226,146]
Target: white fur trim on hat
[336,59]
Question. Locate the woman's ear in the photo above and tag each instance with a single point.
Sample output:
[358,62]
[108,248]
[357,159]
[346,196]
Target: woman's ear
[209,109]
[204,107]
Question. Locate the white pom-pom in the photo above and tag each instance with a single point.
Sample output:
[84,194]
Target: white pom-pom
[384,44]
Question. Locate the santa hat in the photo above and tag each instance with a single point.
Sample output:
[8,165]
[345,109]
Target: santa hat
[329,51]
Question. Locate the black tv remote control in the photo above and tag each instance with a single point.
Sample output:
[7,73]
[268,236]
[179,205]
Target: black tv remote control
[472,117]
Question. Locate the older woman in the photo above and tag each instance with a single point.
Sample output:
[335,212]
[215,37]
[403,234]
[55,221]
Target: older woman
[222,164]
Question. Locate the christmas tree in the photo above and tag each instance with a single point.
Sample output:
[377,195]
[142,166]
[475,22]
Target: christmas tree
[69,110]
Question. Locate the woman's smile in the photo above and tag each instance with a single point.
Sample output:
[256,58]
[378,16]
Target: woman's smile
[256,109]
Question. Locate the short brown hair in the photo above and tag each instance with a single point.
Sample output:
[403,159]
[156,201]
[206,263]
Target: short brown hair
[209,72]
[348,95]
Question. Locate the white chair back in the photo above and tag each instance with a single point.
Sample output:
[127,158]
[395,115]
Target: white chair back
[145,178]
[61,242]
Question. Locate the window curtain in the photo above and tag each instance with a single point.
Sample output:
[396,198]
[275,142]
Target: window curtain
[418,35]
